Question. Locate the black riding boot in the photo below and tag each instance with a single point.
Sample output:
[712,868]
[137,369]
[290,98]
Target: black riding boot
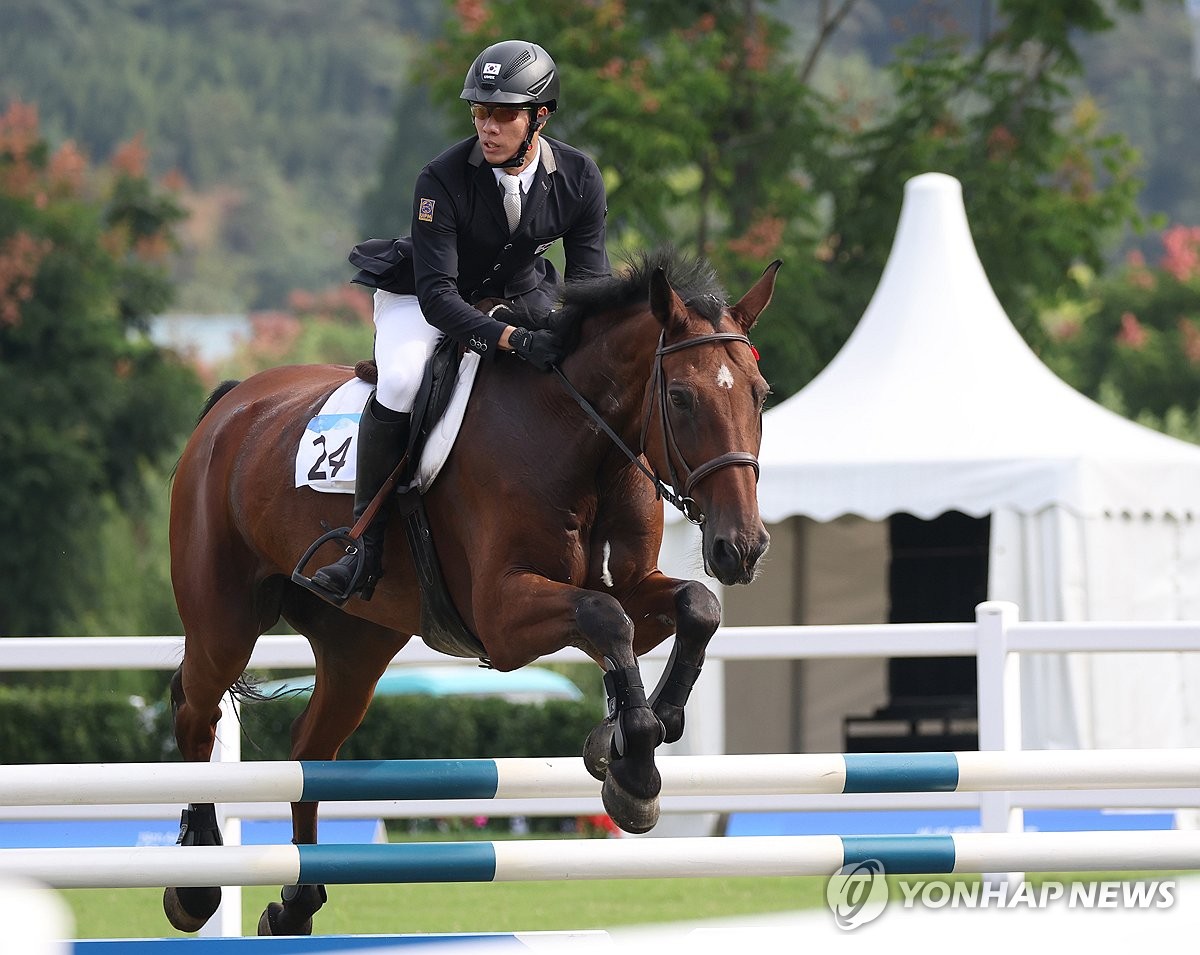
[382,438]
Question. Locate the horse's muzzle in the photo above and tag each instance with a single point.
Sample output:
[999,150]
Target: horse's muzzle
[735,560]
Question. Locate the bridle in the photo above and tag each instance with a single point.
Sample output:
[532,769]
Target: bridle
[657,398]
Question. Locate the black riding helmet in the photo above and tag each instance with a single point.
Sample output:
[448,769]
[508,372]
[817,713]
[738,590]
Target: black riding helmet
[514,73]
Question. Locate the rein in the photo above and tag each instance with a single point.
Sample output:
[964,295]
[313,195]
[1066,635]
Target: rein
[684,502]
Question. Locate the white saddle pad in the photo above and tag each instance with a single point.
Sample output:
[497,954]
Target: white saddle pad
[328,452]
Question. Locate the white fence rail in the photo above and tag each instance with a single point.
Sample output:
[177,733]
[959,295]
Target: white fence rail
[995,639]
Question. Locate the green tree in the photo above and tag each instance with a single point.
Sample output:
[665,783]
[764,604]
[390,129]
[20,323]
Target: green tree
[707,121]
[1045,187]
[87,403]
[272,112]
[1133,336]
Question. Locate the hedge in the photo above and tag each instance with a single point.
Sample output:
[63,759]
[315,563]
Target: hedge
[60,725]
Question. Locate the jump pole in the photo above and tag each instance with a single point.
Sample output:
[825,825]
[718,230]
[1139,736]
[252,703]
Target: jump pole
[565,777]
[558,860]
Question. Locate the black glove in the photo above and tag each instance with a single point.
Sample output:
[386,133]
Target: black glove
[540,348]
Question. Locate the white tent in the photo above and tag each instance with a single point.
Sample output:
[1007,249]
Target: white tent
[934,404]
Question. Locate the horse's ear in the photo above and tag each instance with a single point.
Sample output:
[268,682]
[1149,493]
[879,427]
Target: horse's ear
[666,306]
[746,311]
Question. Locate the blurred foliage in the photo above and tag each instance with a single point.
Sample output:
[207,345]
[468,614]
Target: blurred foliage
[333,326]
[1141,75]
[70,725]
[88,407]
[434,727]
[271,114]
[746,129]
[1132,338]
[74,725]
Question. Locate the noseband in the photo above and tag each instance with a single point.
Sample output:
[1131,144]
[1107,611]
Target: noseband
[657,397]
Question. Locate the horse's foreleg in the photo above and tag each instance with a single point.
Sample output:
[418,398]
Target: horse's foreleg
[697,614]
[522,616]
[623,745]
[661,606]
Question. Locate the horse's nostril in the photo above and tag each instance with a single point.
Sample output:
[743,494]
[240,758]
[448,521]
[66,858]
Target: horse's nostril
[726,555]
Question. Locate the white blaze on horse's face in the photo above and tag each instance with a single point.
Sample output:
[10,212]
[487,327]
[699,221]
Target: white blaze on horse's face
[725,377]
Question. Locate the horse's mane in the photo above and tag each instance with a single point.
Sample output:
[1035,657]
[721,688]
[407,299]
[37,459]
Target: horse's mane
[693,278]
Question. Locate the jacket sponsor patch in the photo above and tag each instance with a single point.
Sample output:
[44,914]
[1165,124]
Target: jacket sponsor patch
[425,210]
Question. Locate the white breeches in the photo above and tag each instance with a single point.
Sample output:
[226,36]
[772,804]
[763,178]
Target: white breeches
[404,343]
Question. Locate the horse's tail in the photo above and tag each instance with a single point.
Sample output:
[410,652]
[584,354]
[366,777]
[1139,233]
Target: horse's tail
[218,393]
[245,690]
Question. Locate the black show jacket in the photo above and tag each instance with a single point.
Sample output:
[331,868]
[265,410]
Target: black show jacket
[462,251]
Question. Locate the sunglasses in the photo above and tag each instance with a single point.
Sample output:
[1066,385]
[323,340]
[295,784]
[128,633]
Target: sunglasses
[501,114]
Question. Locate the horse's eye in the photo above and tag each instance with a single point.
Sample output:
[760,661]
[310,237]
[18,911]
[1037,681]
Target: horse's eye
[680,398]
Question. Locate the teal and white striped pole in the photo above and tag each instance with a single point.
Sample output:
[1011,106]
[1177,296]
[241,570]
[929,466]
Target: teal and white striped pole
[579,859]
[565,777]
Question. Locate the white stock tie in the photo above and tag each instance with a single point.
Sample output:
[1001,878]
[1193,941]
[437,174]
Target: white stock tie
[512,200]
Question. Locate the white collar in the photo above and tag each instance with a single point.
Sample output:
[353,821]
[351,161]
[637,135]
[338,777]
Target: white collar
[525,175]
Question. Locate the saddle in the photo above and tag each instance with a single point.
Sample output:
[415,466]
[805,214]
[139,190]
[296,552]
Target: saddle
[442,628]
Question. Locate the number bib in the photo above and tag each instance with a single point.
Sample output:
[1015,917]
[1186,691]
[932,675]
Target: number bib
[325,460]
[328,452]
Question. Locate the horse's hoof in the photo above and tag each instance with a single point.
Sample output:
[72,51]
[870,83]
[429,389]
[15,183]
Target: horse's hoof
[597,749]
[630,812]
[271,922]
[270,913]
[189,909]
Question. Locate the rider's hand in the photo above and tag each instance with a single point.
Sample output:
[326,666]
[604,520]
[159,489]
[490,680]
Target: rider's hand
[541,348]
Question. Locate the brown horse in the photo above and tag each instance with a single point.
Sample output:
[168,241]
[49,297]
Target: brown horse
[547,533]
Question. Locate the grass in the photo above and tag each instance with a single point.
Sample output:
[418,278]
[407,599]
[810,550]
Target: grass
[470,907]
[503,906]
[499,906]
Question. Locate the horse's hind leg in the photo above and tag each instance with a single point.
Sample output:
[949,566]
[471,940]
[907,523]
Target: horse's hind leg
[349,663]
[196,690]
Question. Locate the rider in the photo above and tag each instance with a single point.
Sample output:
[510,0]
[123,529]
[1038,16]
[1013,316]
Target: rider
[463,251]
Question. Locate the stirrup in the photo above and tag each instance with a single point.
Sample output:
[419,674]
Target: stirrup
[354,548]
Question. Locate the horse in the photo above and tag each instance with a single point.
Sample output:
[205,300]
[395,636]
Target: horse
[544,522]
